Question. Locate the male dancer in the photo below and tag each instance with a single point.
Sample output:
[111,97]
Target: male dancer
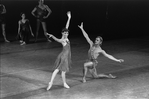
[93,53]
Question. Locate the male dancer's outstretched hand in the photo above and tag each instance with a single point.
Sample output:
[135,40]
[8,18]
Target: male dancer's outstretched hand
[69,14]
[81,26]
[120,60]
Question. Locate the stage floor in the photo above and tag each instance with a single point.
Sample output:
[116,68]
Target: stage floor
[26,71]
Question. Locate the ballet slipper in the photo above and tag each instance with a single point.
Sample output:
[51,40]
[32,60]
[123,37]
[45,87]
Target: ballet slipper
[7,41]
[66,86]
[49,86]
[83,80]
[23,43]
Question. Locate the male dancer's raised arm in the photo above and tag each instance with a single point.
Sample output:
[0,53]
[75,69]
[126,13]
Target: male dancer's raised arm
[85,34]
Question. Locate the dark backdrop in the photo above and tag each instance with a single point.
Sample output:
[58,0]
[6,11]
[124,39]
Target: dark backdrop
[112,19]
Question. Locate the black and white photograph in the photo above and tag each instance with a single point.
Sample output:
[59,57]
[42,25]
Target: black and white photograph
[74,49]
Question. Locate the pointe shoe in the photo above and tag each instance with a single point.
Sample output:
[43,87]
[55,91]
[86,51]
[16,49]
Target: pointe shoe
[7,41]
[66,86]
[83,80]
[23,43]
[49,86]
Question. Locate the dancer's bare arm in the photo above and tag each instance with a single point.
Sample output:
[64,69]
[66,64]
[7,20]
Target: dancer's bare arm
[19,34]
[34,11]
[85,34]
[31,29]
[68,21]
[111,57]
[49,11]
[19,27]
[56,39]
[4,10]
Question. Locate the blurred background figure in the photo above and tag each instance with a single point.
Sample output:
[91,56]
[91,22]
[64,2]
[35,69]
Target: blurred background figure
[41,12]
[2,20]
[24,29]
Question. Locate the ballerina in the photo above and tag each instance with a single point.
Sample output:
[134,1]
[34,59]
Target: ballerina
[63,60]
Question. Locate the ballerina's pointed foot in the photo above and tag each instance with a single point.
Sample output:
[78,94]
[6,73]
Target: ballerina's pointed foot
[83,80]
[112,76]
[49,86]
[66,86]
[7,41]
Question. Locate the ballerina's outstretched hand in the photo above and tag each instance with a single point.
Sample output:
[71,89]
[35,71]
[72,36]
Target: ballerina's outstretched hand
[69,14]
[50,35]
